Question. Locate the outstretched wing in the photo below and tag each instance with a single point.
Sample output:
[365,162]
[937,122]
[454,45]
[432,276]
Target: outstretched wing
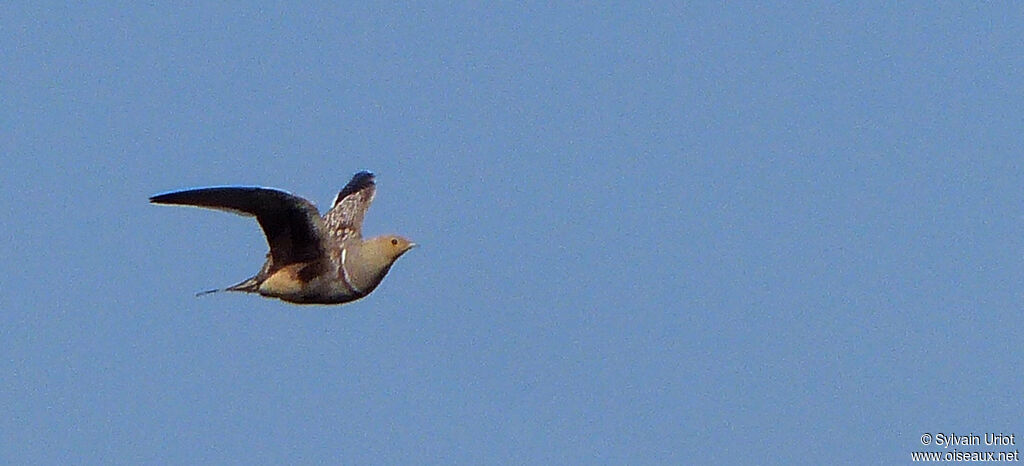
[291,224]
[345,219]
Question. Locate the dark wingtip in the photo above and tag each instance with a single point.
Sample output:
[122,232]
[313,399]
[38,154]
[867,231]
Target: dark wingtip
[173,197]
[362,178]
[359,181]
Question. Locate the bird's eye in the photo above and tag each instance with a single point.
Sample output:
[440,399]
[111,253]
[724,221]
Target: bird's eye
[394,242]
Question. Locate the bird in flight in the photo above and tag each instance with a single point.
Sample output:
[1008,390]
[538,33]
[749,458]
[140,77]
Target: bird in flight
[312,260]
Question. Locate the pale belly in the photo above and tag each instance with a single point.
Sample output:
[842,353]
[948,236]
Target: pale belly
[286,285]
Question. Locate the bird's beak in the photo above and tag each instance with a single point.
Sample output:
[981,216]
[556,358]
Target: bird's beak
[413,245]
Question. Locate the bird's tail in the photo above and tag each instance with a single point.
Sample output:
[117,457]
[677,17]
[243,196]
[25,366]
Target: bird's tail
[251,285]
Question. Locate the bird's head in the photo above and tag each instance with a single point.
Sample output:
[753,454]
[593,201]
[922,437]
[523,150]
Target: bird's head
[388,247]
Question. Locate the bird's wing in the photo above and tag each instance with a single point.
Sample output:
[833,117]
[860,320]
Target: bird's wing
[345,219]
[291,224]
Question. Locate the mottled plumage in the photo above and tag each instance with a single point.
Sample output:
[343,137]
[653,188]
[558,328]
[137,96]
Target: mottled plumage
[312,260]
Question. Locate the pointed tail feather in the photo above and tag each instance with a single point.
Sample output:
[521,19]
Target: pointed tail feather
[251,285]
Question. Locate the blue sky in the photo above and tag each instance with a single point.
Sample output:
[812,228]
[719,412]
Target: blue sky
[650,234]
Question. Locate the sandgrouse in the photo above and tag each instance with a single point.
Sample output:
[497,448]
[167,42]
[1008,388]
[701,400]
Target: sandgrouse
[312,260]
